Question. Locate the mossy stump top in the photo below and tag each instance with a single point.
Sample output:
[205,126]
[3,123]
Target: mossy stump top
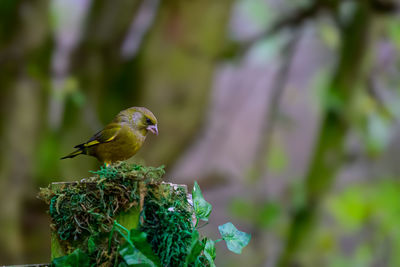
[86,216]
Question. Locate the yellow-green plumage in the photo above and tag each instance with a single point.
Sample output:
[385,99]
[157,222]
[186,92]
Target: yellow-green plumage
[121,138]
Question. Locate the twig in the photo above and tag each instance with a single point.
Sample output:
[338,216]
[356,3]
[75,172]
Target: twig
[269,122]
[374,92]
[294,20]
[385,6]
[274,103]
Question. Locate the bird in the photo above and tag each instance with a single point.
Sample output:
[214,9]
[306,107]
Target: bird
[121,138]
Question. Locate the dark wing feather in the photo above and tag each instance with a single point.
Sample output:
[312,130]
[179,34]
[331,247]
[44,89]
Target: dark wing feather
[106,135]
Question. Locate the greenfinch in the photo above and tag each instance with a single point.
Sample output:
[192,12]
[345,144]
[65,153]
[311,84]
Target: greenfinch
[121,138]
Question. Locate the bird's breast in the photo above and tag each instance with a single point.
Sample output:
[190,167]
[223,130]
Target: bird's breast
[125,145]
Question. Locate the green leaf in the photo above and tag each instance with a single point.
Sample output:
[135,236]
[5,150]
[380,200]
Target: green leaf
[268,214]
[277,159]
[202,208]
[91,245]
[243,208]
[133,257]
[210,248]
[195,249]
[235,239]
[139,239]
[76,258]
[209,251]
[138,251]
[329,35]
[122,264]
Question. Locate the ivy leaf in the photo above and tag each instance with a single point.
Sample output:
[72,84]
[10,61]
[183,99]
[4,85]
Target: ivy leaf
[133,257]
[235,239]
[139,239]
[138,252]
[76,258]
[202,208]
[195,248]
[209,251]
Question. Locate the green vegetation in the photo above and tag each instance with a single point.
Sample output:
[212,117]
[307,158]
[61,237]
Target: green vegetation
[85,218]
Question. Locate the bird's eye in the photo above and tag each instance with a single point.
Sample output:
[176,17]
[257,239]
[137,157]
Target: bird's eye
[149,122]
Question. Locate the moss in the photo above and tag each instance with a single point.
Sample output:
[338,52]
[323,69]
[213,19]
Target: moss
[167,221]
[125,215]
[84,213]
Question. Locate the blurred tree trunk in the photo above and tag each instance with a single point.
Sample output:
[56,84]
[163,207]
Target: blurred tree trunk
[24,60]
[328,153]
[176,69]
[96,60]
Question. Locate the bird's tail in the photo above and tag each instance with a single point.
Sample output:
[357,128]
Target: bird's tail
[74,154]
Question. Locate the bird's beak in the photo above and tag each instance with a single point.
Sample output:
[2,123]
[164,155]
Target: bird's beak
[153,129]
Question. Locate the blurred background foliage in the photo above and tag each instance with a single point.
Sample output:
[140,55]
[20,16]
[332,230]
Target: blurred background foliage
[286,113]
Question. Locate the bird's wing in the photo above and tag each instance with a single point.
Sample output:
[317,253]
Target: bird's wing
[106,135]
